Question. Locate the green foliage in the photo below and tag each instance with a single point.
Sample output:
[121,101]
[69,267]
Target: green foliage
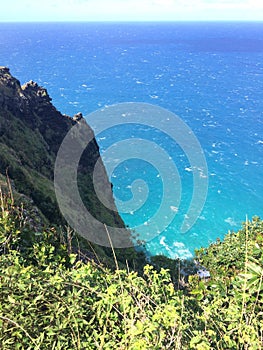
[51,300]
[228,257]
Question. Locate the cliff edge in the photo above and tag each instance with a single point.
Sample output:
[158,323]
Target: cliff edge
[31,132]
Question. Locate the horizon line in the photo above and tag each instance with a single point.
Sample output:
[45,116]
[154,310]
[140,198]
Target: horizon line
[137,21]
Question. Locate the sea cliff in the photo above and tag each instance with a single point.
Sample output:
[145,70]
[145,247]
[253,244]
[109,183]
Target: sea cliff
[31,132]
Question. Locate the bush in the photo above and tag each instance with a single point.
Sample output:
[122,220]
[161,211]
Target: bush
[49,300]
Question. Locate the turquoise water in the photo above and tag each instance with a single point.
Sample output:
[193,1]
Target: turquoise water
[210,75]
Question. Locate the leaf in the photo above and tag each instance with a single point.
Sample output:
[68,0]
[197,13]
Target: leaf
[72,258]
[257,269]
[11,299]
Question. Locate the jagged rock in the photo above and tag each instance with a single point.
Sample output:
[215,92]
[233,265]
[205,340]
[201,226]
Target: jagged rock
[32,104]
[4,70]
[77,117]
[33,90]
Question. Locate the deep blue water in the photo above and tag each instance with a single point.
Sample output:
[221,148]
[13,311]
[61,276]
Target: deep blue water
[208,74]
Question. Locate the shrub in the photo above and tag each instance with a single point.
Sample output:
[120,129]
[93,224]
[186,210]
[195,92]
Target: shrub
[50,300]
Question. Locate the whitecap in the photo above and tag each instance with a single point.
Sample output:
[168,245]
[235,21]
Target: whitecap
[230,221]
[179,245]
[174,209]
[194,234]
[184,254]
[202,175]
[162,241]
[74,103]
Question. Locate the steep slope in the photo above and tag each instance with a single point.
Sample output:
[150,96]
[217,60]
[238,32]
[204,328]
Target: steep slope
[31,132]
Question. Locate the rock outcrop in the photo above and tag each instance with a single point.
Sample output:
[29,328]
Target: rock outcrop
[31,132]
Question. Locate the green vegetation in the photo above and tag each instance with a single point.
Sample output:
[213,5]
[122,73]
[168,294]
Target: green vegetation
[54,299]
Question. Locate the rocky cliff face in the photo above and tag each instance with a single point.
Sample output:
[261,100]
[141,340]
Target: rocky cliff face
[31,132]
[32,105]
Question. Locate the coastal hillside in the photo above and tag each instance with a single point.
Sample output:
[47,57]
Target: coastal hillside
[31,132]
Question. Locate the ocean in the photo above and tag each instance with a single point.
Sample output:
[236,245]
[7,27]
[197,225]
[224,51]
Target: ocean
[210,75]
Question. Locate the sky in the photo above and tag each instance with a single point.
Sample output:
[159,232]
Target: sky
[131,10]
